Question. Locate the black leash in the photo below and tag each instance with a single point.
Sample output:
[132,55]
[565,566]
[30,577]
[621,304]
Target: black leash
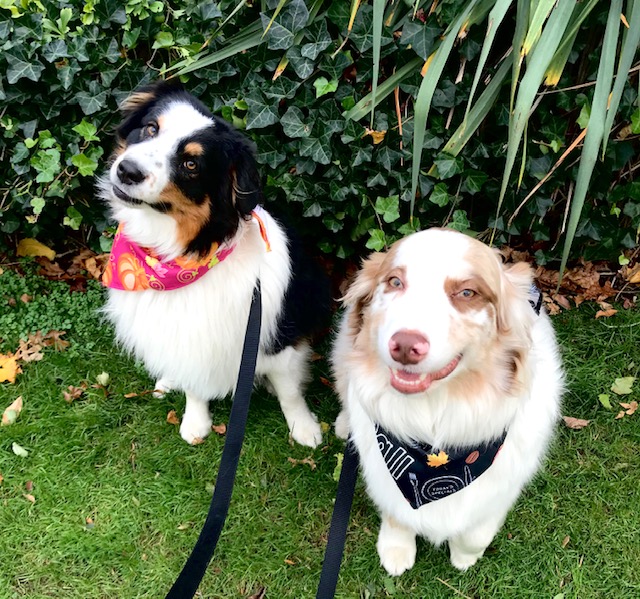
[339,523]
[189,579]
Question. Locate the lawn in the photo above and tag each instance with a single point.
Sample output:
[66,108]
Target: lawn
[109,500]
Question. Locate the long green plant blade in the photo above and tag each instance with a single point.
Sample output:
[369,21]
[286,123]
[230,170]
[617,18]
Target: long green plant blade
[538,19]
[537,64]
[425,94]
[496,16]
[378,16]
[478,112]
[595,126]
[249,37]
[628,51]
[384,89]
[520,32]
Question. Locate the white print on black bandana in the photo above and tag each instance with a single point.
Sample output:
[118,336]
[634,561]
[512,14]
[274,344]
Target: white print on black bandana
[425,475]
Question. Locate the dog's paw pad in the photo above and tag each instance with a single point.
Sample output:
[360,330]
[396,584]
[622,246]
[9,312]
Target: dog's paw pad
[306,430]
[194,431]
[396,560]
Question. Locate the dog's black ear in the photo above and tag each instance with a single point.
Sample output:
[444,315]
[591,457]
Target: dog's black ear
[245,184]
[141,101]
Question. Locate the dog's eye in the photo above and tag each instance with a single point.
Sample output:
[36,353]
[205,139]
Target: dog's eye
[151,130]
[467,293]
[395,282]
[190,165]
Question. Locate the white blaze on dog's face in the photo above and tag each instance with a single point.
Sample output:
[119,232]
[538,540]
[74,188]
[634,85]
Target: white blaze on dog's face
[433,307]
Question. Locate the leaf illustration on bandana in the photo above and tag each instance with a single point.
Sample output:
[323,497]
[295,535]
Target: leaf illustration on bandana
[435,460]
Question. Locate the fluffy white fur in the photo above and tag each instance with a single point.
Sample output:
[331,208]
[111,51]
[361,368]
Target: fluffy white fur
[509,376]
[191,338]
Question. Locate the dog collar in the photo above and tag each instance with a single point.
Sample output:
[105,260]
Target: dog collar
[424,475]
[132,267]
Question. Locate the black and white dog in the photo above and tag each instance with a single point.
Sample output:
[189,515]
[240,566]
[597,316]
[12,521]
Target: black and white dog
[191,243]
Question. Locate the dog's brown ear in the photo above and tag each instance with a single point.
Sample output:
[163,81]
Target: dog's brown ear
[361,290]
[517,281]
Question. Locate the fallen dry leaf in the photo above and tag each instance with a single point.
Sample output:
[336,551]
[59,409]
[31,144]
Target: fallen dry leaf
[619,415]
[261,593]
[565,541]
[10,415]
[28,486]
[25,299]
[53,338]
[29,497]
[29,349]
[575,423]
[9,368]
[606,313]
[197,441]
[32,247]
[307,461]
[629,408]
[220,429]
[376,136]
[1,478]
[172,417]
[289,562]
[74,392]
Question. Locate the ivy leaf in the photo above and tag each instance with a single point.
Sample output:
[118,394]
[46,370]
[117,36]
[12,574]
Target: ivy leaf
[282,30]
[388,208]
[87,130]
[583,117]
[473,182]
[334,66]
[420,37]
[66,73]
[86,167]
[439,196]
[20,68]
[319,38]
[301,65]
[323,86]
[281,88]
[635,122]
[209,11]
[293,123]
[91,103]
[448,166]
[459,221]
[259,113]
[387,158]
[164,39]
[270,151]
[47,163]
[317,148]
[54,50]
[377,240]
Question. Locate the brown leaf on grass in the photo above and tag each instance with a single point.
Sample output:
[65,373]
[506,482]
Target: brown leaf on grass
[12,412]
[197,441]
[50,270]
[219,429]
[29,349]
[25,299]
[575,423]
[74,392]
[1,478]
[29,497]
[172,417]
[54,339]
[565,541]
[326,382]
[606,313]
[619,415]
[629,408]
[134,394]
[28,486]
[308,461]
[632,275]
[9,368]
[261,593]
[289,562]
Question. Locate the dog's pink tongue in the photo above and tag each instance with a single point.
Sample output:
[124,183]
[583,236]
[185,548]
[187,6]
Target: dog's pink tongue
[410,382]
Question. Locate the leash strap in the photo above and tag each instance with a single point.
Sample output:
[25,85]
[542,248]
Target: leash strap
[339,523]
[193,571]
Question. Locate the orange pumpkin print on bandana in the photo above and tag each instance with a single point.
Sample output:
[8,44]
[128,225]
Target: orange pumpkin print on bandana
[131,273]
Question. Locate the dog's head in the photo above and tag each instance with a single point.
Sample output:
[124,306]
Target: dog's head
[178,167]
[437,305]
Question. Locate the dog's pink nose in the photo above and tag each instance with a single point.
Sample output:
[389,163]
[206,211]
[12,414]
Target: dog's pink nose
[408,347]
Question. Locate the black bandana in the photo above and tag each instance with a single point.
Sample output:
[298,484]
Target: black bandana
[424,475]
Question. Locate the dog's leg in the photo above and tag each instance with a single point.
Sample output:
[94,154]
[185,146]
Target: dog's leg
[162,386]
[467,548]
[196,422]
[341,425]
[287,374]
[396,546]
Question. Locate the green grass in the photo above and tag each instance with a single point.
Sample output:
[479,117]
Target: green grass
[118,462]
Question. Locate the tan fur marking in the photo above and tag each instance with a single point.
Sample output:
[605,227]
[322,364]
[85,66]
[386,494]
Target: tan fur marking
[193,148]
[189,216]
[137,100]
[483,294]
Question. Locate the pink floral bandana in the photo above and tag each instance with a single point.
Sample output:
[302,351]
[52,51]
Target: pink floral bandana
[134,268]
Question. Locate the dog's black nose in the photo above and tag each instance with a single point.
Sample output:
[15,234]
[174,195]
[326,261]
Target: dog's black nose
[408,347]
[128,172]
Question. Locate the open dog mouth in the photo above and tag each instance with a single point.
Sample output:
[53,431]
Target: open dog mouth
[124,197]
[416,382]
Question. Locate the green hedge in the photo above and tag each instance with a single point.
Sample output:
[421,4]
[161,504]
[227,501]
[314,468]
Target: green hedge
[65,66]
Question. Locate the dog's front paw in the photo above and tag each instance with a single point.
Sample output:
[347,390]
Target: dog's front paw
[396,547]
[195,428]
[305,429]
[161,387]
